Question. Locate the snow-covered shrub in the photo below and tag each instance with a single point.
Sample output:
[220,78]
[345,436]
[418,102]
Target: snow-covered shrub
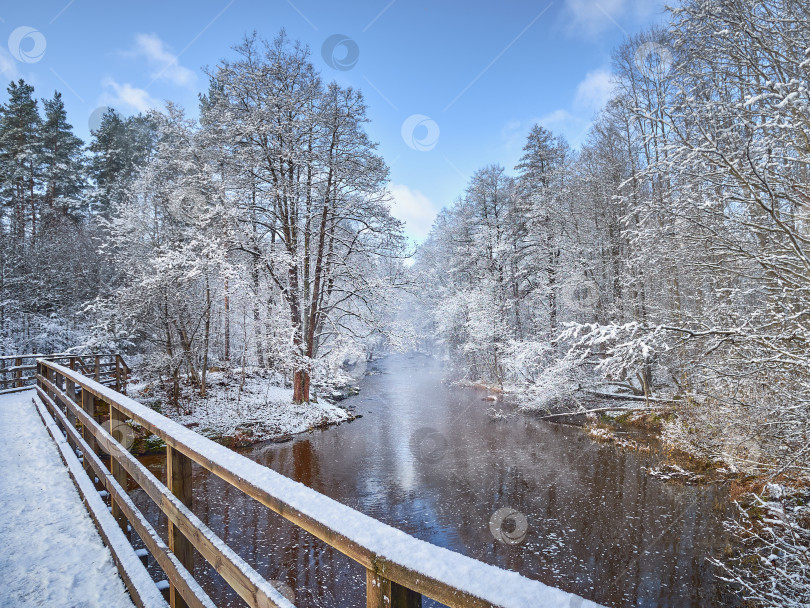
[772,568]
[343,365]
[623,353]
[40,333]
[718,433]
[544,380]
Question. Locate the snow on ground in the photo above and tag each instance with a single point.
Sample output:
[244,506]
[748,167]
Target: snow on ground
[252,408]
[51,553]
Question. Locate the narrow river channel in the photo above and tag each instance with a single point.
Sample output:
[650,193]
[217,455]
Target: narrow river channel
[427,459]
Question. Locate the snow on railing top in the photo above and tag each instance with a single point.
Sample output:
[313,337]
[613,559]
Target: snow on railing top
[55,355]
[434,571]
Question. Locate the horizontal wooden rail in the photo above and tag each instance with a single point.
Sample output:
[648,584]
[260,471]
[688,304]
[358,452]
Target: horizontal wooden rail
[400,568]
[110,368]
[248,583]
[55,355]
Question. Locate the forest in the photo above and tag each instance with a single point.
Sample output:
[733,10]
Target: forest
[259,235]
[667,259]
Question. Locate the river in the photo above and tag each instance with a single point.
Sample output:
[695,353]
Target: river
[426,458]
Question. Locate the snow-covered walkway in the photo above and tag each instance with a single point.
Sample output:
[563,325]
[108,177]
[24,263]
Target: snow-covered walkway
[50,552]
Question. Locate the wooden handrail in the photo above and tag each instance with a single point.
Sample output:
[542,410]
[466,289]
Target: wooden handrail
[111,368]
[55,355]
[105,367]
[400,568]
[246,581]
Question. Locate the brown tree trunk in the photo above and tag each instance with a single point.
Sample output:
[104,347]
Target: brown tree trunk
[170,353]
[185,343]
[301,386]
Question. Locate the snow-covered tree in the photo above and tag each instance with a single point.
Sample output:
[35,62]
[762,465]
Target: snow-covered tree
[307,189]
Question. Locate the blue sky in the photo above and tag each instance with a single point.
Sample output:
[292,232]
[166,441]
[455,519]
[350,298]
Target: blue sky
[451,86]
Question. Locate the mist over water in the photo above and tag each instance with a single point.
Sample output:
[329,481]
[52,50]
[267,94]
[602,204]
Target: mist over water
[520,493]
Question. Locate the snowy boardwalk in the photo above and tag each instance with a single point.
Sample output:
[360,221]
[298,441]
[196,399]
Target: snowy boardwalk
[51,554]
[400,569]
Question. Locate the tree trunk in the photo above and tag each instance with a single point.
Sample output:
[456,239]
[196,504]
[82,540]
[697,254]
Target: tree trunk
[176,386]
[301,386]
[257,315]
[170,352]
[185,343]
[227,307]
[206,337]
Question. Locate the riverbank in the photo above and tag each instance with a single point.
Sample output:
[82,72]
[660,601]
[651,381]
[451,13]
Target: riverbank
[763,500]
[428,458]
[238,410]
[643,431]
[768,563]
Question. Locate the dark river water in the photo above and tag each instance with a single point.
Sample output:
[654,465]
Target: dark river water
[427,459]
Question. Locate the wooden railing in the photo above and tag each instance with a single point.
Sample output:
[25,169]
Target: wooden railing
[18,372]
[400,569]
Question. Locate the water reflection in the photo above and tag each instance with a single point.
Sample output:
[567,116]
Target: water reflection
[427,459]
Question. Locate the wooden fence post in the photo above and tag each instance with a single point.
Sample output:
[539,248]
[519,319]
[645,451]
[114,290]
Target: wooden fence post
[89,406]
[117,419]
[383,593]
[49,376]
[70,388]
[118,373]
[98,363]
[124,374]
[71,393]
[178,478]
[18,372]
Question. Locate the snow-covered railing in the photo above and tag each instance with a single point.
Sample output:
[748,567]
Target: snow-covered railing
[17,372]
[400,569]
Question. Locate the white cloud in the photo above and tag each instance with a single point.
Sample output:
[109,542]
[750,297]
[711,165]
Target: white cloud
[592,93]
[594,16]
[513,135]
[163,63]
[562,122]
[413,208]
[7,67]
[595,90]
[127,95]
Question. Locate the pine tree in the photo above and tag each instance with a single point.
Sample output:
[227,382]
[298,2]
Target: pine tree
[120,146]
[542,155]
[20,125]
[62,160]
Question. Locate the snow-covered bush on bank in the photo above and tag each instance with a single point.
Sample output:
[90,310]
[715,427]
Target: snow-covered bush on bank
[341,367]
[244,406]
[771,568]
[38,333]
[541,379]
[720,434]
[628,355]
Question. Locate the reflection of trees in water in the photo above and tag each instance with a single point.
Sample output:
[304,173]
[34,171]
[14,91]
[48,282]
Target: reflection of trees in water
[592,512]
[591,509]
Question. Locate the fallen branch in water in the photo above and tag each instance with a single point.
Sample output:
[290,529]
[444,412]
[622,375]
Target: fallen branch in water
[626,397]
[604,409]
